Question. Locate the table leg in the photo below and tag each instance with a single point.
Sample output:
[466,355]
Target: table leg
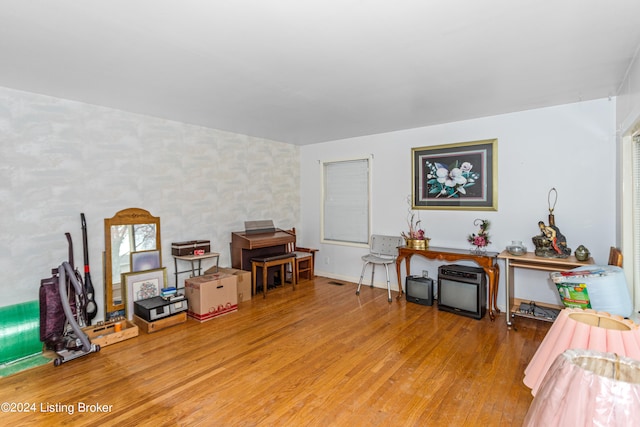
[294,273]
[265,269]
[254,278]
[407,262]
[508,289]
[497,285]
[175,263]
[399,274]
[493,273]
[282,276]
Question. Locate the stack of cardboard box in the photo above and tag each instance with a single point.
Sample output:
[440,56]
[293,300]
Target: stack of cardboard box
[211,295]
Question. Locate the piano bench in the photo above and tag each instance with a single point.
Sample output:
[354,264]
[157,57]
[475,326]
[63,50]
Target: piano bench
[270,261]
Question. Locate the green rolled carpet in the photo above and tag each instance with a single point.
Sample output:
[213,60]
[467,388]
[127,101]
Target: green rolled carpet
[20,346]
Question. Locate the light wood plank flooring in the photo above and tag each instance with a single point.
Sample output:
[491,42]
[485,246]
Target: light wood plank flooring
[316,356]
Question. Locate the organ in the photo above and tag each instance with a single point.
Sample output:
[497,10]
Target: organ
[259,239]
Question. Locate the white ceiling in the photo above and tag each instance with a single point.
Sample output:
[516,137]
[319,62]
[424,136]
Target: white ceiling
[306,71]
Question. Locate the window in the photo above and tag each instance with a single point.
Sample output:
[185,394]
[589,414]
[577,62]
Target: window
[628,235]
[346,207]
[636,219]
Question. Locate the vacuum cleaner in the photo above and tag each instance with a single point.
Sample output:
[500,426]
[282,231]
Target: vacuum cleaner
[63,312]
[75,342]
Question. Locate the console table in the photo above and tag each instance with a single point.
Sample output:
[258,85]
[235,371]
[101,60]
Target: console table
[192,259]
[531,261]
[486,260]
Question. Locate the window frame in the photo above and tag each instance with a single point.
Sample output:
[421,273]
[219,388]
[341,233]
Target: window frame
[323,208]
[629,159]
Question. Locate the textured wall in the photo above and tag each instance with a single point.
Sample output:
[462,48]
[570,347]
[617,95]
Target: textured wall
[60,158]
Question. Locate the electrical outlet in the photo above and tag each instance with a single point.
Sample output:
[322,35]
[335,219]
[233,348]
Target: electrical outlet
[326,260]
[425,273]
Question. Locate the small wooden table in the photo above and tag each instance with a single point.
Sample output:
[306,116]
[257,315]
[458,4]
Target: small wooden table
[192,259]
[486,260]
[531,261]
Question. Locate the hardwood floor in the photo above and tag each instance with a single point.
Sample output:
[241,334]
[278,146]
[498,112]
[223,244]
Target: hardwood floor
[316,356]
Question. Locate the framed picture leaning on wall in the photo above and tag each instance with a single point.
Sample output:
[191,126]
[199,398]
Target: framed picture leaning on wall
[145,260]
[142,285]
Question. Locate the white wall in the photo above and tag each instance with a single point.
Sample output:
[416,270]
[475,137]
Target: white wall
[569,147]
[60,158]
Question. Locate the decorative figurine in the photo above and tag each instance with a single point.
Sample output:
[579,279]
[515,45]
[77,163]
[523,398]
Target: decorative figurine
[551,243]
[582,253]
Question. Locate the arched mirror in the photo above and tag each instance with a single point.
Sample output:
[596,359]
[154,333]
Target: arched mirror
[130,230]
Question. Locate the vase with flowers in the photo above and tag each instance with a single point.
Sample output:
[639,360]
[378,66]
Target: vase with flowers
[415,238]
[481,240]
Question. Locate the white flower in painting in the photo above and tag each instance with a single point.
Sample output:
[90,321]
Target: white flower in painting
[442,175]
[455,178]
[451,183]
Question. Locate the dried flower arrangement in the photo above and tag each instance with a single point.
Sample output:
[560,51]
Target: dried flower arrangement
[416,232]
[480,240]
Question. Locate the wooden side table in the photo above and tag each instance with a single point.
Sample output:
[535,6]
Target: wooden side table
[196,263]
[486,260]
[531,261]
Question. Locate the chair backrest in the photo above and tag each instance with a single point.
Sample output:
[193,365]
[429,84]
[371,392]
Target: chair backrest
[291,246]
[615,257]
[385,245]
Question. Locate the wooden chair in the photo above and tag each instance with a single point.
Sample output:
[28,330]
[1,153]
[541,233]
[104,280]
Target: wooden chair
[615,257]
[305,259]
[269,261]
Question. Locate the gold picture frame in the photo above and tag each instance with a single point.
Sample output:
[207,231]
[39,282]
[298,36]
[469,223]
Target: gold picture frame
[456,176]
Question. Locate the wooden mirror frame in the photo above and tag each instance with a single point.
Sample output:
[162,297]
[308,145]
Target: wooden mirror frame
[131,216]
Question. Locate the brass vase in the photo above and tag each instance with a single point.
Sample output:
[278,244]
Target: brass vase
[417,243]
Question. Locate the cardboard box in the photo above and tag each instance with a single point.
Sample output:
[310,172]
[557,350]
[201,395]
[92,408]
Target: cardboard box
[211,295]
[158,325]
[243,280]
[105,334]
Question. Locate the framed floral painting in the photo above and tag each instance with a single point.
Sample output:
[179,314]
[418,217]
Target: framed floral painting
[456,176]
[143,285]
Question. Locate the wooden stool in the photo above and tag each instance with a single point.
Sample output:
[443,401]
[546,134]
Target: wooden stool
[269,261]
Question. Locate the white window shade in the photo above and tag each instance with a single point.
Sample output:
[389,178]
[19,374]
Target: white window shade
[345,201]
[636,205]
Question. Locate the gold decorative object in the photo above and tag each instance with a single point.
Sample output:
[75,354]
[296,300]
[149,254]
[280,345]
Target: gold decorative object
[415,238]
[582,253]
[418,243]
